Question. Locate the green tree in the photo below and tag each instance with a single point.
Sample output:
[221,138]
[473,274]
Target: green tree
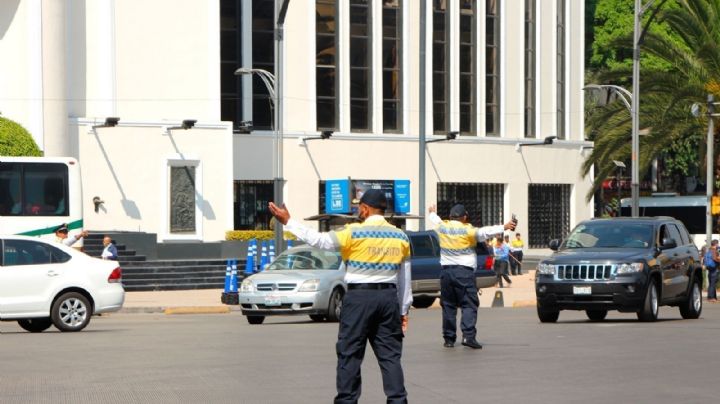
[16,140]
[690,48]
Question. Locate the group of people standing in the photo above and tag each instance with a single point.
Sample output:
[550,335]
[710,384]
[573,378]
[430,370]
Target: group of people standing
[376,306]
[109,250]
[506,255]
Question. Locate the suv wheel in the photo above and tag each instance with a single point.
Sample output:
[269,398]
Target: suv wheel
[596,315]
[692,307]
[548,316]
[423,302]
[649,311]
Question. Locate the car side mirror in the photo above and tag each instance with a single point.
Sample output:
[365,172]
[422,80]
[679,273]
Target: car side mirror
[554,244]
[668,243]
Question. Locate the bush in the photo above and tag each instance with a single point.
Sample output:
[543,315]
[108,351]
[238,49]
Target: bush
[16,140]
[247,235]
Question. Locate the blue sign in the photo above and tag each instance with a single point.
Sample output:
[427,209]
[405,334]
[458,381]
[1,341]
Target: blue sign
[401,193]
[337,196]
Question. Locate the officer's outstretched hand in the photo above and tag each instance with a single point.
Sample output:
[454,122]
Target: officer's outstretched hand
[280,212]
[404,323]
[511,225]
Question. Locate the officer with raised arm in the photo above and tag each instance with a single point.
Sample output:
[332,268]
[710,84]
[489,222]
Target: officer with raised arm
[457,278]
[375,309]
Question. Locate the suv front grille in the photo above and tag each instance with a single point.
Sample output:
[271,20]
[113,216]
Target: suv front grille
[271,287]
[584,272]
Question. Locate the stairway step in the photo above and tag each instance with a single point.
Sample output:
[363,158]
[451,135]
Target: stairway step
[160,287]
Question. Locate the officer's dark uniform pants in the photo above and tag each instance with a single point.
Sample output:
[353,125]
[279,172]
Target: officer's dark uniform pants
[370,315]
[458,289]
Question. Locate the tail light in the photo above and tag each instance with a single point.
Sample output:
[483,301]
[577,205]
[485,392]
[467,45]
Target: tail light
[489,262]
[115,275]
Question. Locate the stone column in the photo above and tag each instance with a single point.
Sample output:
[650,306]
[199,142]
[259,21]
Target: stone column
[55,113]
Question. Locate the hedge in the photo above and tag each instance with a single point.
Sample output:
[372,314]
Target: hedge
[16,140]
[246,235]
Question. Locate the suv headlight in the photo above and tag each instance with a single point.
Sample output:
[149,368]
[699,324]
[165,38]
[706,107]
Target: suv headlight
[630,268]
[546,269]
[310,286]
[246,286]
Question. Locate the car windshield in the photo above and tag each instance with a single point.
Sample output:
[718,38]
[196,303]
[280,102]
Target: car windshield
[610,235]
[306,258]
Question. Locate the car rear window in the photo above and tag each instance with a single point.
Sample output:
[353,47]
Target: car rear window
[422,246]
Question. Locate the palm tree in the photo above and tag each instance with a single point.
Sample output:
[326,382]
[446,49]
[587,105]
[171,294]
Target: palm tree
[692,49]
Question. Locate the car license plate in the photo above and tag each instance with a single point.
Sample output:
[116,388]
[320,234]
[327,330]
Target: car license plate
[272,301]
[582,290]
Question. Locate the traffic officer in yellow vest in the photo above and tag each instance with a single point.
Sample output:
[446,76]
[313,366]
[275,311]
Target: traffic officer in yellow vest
[457,278]
[375,309]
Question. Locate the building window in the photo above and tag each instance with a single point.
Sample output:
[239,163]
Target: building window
[492,68]
[391,54]
[326,71]
[530,68]
[251,205]
[182,199]
[440,67]
[360,62]
[560,69]
[548,213]
[230,60]
[263,57]
[467,66]
[484,202]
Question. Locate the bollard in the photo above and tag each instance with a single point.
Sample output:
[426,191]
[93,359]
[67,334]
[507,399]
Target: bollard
[230,295]
[271,251]
[263,257]
[498,300]
[250,261]
[256,258]
[289,244]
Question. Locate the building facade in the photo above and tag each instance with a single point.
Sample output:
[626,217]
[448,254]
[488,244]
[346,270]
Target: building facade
[499,75]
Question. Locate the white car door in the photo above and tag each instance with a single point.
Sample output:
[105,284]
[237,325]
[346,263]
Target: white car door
[27,277]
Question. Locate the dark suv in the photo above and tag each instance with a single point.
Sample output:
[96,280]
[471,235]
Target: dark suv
[624,264]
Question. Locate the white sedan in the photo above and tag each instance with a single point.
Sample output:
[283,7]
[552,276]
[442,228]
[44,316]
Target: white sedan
[44,284]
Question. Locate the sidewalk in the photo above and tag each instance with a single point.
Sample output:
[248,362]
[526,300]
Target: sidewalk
[203,301]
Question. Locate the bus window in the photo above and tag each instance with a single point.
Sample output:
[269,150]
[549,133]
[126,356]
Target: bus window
[10,201]
[33,189]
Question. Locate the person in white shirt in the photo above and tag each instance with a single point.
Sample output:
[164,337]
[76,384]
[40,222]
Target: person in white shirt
[110,251]
[61,235]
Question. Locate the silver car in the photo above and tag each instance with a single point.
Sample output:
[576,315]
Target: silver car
[302,280]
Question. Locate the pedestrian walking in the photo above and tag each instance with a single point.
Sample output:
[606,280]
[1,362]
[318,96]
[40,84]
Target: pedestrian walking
[516,255]
[110,251]
[375,308]
[502,260]
[710,261]
[457,278]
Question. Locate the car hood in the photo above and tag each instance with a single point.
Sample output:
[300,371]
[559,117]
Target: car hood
[597,255]
[294,275]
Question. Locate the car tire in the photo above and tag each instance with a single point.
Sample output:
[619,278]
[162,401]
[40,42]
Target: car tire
[548,316]
[317,317]
[596,315]
[35,324]
[71,312]
[692,307]
[255,319]
[651,305]
[335,305]
[423,302]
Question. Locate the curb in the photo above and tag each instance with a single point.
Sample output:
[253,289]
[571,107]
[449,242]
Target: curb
[197,310]
[524,303]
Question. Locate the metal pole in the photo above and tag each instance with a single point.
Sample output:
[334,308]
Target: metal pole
[421,134]
[635,160]
[710,178]
[281,6]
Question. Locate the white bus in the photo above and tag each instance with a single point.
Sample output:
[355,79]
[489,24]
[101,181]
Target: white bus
[38,194]
[689,209]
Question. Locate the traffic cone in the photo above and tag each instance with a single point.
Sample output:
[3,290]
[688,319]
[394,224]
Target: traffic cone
[271,251]
[256,260]
[250,261]
[230,295]
[289,243]
[498,300]
[263,257]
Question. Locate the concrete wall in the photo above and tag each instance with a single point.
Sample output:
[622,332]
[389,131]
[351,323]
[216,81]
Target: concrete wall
[128,167]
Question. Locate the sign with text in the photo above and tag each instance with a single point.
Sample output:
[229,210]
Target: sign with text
[337,196]
[402,196]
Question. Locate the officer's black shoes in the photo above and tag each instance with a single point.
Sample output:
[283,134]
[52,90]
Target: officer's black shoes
[449,344]
[472,343]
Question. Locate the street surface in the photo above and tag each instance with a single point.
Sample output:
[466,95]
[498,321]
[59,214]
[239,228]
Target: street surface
[156,358]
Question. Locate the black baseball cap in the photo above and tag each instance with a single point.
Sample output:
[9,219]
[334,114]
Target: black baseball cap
[374,198]
[458,211]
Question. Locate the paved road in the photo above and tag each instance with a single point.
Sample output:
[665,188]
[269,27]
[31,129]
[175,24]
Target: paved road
[155,358]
